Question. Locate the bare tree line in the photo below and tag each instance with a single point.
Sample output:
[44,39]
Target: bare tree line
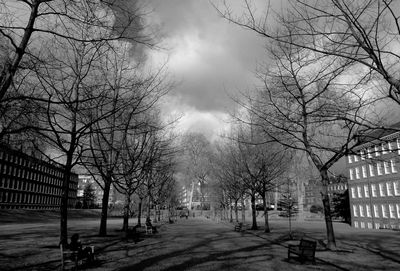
[71,91]
[332,64]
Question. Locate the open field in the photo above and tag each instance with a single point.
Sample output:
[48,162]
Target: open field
[198,244]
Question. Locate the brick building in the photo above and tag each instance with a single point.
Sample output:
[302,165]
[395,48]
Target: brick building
[374,183]
[30,183]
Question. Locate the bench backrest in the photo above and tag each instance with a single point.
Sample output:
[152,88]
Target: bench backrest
[308,247]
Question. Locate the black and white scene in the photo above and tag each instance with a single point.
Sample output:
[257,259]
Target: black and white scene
[174,135]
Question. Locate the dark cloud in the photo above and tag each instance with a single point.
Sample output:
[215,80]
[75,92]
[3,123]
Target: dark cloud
[210,55]
[129,23]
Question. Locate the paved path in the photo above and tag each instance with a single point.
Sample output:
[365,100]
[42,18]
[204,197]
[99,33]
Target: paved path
[200,244]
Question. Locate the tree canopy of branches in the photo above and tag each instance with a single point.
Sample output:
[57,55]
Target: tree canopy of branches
[306,103]
[25,24]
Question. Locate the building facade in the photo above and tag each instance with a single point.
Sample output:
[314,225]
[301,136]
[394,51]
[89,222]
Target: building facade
[85,180]
[30,183]
[337,185]
[374,183]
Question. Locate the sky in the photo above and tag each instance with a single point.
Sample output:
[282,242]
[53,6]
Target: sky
[209,58]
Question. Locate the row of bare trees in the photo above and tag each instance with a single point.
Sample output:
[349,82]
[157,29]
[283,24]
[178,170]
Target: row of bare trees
[331,74]
[71,91]
[247,166]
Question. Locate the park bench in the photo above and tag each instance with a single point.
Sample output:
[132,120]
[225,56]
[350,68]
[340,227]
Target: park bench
[148,229]
[305,250]
[239,226]
[70,258]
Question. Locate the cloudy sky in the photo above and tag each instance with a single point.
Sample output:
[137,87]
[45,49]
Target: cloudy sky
[210,58]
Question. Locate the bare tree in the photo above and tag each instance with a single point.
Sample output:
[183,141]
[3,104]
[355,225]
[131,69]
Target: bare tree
[197,155]
[131,93]
[70,94]
[306,104]
[26,23]
[228,172]
[364,32]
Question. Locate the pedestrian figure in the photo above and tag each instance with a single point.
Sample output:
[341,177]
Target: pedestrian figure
[83,252]
[148,224]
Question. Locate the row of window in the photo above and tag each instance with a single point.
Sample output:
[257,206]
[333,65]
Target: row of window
[15,184]
[385,189]
[29,173]
[28,198]
[379,210]
[375,151]
[362,225]
[29,164]
[337,187]
[379,168]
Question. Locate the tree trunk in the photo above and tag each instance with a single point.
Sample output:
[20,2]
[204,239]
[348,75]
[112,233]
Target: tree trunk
[230,211]
[125,224]
[8,72]
[266,222]
[253,212]
[327,210]
[64,202]
[300,198]
[148,208]
[243,210]
[191,196]
[104,208]
[140,213]
[155,212]
[236,211]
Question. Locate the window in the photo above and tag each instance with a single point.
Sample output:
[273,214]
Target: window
[355,158]
[366,191]
[362,154]
[381,190]
[389,189]
[384,148]
[368,209]
[350,160]
[364,171]
[369,225]
[361,210]
[396,188]
[376,211]
[351,174]
[377,151]
[377,226]
[386,167]
[374,192]
[369,155]
[355,211]
[398,145]
[353,192]
[359,192]
[379,168]
[355,224]
[384,211]
[398,210]
[371,170]
[357,173]
[390,147]
[392,211]
[362,223]
[393,166]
